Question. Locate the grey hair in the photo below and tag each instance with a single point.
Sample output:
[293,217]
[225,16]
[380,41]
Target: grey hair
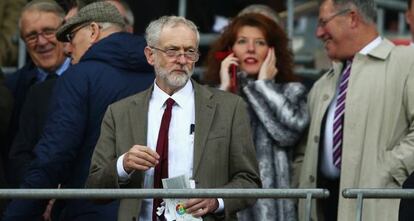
[366,8]
[43,6]
[153,31]
[107,25]
[264,10]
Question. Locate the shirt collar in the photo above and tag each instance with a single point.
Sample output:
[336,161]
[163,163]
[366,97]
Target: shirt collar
[370,46]
[42,74]
[181,97]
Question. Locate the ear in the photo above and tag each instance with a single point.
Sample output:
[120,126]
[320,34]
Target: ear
[149,54]
[95,32]
[355,18]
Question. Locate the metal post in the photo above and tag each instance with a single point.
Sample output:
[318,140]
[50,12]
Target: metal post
[160,193]
[359,207]
[182,8]
[401,23]
[380,20]
[22,54]
[290,8]
[308,206]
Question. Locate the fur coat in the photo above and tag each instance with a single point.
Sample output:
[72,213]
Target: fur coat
[278,117]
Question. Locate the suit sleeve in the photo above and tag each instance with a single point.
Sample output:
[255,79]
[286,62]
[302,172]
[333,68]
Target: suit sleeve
[402,155]
[102,173]
[243,167]
[299,151]
[6,106]
[21,152]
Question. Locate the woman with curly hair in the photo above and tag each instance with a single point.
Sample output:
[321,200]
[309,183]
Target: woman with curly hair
[258,66]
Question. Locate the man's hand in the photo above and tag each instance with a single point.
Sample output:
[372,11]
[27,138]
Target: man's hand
[47,214]
[200,207]
[140,158]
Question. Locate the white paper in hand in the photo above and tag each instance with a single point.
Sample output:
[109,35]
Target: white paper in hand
[174,208]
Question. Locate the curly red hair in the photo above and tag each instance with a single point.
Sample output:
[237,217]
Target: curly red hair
[274,35]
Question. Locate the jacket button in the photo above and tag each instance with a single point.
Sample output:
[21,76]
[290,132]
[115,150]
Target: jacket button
[311,178]
[316,139]
[325,97]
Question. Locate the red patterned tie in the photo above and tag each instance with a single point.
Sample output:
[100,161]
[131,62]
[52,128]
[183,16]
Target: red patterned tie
[339,115]
[161,170]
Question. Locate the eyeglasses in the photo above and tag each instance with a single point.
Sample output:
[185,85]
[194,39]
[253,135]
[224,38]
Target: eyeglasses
[323,22]
[191,54]
[71,35]
[47,33]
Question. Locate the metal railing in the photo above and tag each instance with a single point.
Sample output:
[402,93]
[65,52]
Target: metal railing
[307,194]
[375,193]
[399,6]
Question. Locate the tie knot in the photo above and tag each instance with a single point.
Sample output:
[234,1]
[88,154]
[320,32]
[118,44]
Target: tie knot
[51,76]
[348,62]
[170,102]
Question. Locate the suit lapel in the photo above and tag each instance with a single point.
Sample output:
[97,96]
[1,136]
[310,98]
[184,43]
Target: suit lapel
[204,115]
[139,117]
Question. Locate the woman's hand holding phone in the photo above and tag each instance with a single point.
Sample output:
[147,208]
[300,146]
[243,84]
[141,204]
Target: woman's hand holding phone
[225,71]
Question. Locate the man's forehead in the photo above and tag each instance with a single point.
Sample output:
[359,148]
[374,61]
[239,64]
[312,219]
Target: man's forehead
[178,36]
[38,14]
[33,18]
[39,17]
[326,8]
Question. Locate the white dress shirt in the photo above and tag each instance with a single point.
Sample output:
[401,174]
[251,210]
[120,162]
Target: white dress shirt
[328,168]
[180,139]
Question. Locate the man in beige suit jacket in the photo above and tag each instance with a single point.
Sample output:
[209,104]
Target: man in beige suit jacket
[378,122]
[221,153]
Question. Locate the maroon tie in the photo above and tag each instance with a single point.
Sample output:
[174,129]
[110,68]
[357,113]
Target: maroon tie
[161,170]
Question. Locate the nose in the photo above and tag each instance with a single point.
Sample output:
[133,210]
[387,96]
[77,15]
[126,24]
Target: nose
[41,40]
[251,47]
[181,59]
[320,31]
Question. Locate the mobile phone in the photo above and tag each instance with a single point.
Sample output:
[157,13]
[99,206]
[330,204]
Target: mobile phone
[221,55]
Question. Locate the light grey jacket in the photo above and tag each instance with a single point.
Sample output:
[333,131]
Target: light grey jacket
[378,134]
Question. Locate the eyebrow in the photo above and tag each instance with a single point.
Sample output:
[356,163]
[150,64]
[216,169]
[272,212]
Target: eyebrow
[178,47]
[260,38]
[44,29]
[31,33]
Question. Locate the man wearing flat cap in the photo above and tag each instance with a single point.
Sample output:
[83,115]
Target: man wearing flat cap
[109,64]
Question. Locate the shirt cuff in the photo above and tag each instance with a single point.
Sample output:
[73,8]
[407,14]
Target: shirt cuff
[221,206]
[123,176]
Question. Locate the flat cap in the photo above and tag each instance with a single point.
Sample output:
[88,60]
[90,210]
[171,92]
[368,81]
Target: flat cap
[96,12]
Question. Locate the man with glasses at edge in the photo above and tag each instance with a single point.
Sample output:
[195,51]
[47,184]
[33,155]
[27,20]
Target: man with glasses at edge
[208,136]
[38,23]
[108,65]
[362,111]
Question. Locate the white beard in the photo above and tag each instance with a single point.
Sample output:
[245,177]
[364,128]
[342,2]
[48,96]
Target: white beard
[175,80]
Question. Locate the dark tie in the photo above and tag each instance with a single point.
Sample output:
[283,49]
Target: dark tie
[339,115]
[161,170]
[51,76]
